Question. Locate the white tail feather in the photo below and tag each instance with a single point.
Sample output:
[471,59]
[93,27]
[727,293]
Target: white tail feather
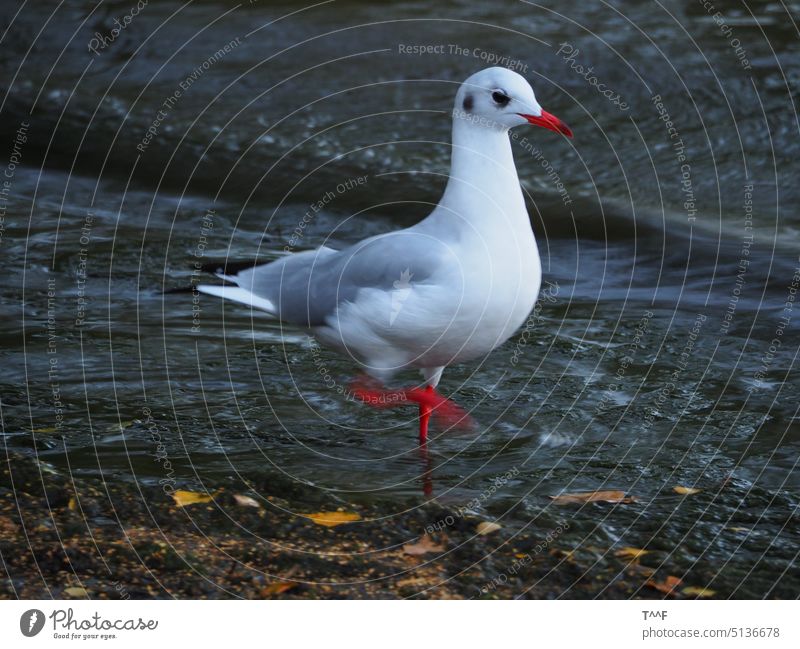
[238,294]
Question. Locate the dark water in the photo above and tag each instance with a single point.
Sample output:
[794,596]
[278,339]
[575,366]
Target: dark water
[658,359]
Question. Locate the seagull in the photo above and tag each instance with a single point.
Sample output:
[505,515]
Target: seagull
[447,290]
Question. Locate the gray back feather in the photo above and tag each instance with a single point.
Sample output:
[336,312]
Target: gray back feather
[307,287]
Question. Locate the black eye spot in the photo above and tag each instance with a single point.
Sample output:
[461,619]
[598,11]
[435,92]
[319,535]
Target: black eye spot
[468,103]
[500,98]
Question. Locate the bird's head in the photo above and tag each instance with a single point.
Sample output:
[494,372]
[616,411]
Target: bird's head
[502,99]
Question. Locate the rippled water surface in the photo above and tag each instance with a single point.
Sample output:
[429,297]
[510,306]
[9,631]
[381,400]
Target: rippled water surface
[658,358]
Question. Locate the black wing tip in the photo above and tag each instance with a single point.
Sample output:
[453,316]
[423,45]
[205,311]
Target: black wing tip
[179,289]
[227,267]
[224,267]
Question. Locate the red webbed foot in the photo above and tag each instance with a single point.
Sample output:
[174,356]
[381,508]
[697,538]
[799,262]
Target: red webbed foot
[446,412]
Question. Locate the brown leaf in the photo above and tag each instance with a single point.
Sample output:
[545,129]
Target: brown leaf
[487,527]
[185,498]
[423,546]
[609,496]
[667,586]
[416,582]
[686,491]
[332,519]
[631,553]
[246,501]
[75,591]
[9,530]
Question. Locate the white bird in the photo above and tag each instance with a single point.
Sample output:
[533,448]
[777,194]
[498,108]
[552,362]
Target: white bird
[447,290]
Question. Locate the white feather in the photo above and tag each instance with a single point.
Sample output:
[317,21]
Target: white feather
[238,294]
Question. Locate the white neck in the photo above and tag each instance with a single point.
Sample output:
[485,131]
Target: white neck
[483,189]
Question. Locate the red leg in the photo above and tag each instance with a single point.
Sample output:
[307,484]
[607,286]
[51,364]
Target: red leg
[430,402]
[424,417]
[427,474]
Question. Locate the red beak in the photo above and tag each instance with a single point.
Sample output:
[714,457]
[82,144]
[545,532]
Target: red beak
[548,121]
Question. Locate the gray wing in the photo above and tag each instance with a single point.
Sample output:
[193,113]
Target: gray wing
[307,287]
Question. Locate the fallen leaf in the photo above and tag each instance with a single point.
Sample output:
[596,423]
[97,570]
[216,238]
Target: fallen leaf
[76,591]
[282,583]
[697,591]
[740,529]
[415,582]
[631,553]
[8,529]
[487,527]
[423,546]
[45,430]
[332,519]
[185,498]
[72,505]
[611,496]
[667,586]
[686,491]
[277,588]
[246,501]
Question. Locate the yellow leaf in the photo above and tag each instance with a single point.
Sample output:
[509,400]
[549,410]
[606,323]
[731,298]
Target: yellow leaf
[487,527]
[609,496]
[686,491]
[72,505]
[631,553]
[423,546]
[332,519]
[246,501]
[697,591]
[185,498]
[76,591]
[46,429]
